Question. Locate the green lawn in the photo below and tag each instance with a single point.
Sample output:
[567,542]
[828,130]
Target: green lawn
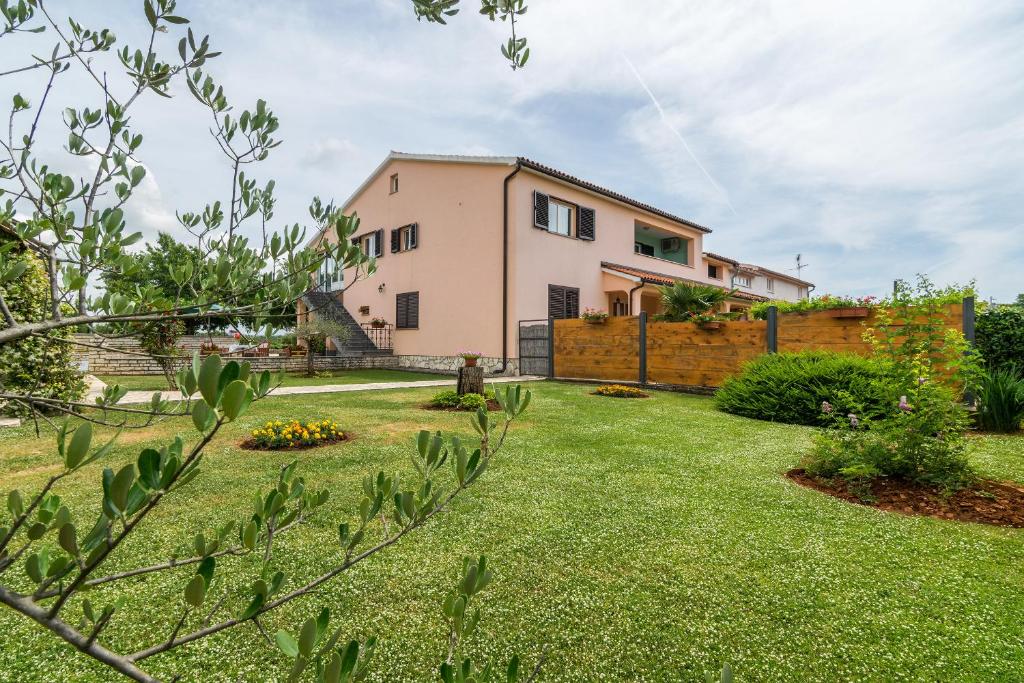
[157,382]
[641,540]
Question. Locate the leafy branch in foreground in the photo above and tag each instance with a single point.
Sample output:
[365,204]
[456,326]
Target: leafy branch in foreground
[57,572]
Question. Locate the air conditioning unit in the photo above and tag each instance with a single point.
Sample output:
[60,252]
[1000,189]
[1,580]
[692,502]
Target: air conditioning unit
[670,245]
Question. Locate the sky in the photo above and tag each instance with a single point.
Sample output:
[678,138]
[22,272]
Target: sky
[877,139]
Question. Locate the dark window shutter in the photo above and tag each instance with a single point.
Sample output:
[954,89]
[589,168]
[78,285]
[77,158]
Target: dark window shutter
[396,240]
[556,302]
[355,241]
[414,235]
[572,302]
[407,310]
[585,228]
[563,302]
[540,210]
[380,242]
[414,310]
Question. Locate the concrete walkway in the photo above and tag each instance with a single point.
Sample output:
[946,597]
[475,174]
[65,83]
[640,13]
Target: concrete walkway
[146,396]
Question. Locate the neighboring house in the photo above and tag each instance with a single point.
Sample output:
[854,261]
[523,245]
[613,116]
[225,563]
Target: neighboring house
[468,247]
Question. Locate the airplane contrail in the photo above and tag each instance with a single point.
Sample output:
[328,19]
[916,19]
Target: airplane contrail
[686,146]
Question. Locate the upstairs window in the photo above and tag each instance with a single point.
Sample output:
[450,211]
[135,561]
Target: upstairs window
[372,243]
[559,218]
[771,285]
[393,183]
[405,238]
[742,281]
[564,218]
[713,272]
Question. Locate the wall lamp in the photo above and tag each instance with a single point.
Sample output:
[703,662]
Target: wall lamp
[381,288]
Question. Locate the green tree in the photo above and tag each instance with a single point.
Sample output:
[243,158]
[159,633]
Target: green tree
[684,300]
[67,231]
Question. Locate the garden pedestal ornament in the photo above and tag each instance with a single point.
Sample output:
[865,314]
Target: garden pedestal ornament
[471,381]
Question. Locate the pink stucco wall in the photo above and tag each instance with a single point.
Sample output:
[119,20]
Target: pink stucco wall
[456,266]
[539,258]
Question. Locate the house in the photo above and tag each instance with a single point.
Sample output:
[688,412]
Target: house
[468,247]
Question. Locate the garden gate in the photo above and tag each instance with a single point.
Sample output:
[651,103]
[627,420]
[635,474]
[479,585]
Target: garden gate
[535,339]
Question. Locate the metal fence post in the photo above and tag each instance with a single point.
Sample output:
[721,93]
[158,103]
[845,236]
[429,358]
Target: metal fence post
[773,329]
[968,325]
[643,347]
[551,347]
[968,313]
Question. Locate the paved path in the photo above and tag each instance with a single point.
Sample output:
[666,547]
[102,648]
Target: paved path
[146,396]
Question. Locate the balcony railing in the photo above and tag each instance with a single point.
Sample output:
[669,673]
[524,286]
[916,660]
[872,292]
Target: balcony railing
[380,336]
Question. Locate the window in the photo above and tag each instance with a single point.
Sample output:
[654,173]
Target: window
[742,281]
[407,311]
[372,243]
[771,285]
[563,302]
[713,272]
[404,238]
[559,218]
[394,183]
[642,248]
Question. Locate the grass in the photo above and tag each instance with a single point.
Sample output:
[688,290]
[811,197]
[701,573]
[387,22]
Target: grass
[362,376]
[641,540]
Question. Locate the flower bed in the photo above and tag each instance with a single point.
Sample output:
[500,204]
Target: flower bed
[278,435]
[619,391]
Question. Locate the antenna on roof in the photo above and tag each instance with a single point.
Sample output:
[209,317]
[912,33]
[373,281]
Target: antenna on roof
[800,265]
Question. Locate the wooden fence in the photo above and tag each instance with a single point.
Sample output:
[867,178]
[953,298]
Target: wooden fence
[635,350]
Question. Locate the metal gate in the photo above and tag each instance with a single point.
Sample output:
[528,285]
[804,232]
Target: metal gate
[535,347]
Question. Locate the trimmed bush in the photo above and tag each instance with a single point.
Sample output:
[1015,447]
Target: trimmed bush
[472,402]
[40,366]
[791,387]
[999,334]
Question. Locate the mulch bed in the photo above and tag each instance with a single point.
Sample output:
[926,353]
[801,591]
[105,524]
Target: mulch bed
[250,445]
[492,406]
[988,502]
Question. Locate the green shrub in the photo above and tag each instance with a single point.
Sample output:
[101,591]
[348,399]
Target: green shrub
[921,440]
[999,335]
[472,402]
[1001,400]
[791,387]
[446,399]
[43,367]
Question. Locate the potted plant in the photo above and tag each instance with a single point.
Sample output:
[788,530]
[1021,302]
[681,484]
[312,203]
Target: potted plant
[707,321]
[378,323]
[469,358]
[594,316]
[847,307]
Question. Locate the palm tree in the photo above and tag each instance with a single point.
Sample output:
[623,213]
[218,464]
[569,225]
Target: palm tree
[684,300]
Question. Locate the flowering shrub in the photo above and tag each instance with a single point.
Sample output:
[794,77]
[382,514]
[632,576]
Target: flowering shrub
[594,315]
[619,391]
[825,302]
[920,440]
[277,434]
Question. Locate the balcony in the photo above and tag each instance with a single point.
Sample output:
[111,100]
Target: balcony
[662,244]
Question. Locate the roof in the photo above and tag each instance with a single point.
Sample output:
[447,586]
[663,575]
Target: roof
[774,273]
[724,259]
[651,277]
[554,173]
[528,164]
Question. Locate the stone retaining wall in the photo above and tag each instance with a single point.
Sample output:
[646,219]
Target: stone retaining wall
[451,364]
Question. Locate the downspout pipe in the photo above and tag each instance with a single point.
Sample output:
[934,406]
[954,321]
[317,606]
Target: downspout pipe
[630,295]
[504,268]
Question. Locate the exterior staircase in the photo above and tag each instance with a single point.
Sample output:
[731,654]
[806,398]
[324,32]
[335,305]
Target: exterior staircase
[325,305]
